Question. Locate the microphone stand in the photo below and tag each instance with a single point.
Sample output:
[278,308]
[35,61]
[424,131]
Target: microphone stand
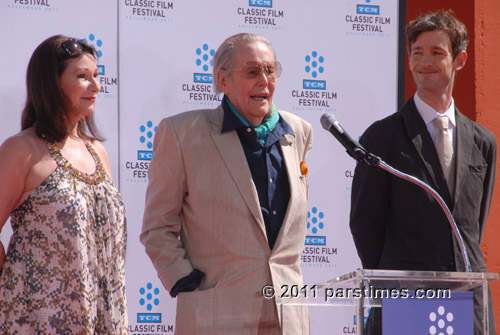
[370,159]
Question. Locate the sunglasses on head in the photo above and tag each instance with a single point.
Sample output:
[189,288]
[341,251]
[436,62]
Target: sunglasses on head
[71,48]
[253,69]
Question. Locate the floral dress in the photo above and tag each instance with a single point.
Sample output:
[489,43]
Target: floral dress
[65,266]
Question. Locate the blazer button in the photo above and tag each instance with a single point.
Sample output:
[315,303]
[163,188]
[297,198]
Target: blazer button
[271,260]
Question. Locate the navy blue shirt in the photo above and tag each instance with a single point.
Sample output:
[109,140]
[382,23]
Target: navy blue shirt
[267,168]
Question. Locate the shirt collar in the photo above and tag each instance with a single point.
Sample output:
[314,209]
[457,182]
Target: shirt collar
[428,113]
[282,128]
[232,122]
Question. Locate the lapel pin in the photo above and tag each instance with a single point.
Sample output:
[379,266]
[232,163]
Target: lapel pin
[303,168]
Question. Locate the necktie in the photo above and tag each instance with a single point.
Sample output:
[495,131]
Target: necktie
[443,143]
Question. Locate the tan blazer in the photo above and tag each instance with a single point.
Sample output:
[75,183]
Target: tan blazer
[201,189]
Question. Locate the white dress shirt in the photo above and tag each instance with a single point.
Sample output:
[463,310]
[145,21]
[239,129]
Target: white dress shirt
[428,114]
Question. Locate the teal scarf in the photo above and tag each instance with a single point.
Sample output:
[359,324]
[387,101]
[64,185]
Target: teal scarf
[267,125]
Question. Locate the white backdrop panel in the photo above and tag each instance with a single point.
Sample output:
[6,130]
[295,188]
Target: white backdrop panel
[165,68]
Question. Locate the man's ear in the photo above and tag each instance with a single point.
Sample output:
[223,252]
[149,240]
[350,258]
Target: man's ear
[222,81]
[460,60]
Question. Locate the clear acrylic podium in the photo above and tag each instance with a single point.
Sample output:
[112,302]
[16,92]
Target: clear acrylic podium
[372,282]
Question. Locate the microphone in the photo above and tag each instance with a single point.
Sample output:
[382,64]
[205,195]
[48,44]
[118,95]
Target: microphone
[353,148]
[356,151]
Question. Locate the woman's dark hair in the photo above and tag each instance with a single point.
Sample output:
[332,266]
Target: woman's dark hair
[46,103]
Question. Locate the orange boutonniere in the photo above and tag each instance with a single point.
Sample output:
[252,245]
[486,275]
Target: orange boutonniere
[303,168]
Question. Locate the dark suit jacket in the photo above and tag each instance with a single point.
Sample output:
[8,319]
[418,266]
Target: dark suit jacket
[398,225]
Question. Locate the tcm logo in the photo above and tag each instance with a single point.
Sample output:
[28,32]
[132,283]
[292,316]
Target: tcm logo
[143,155]
[366,312]
[314,84]
[205,60]
[149,298]
[315,240]
[100,70]
[147,136]
[368,9]
[314,67]
[314,225]
[96,44]
[203,78]
[261,3]
[148,317]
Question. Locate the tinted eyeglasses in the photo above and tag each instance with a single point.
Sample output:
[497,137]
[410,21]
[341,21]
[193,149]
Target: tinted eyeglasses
[71,48]
[253,69]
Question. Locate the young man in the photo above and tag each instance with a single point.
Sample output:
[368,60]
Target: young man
[396,224]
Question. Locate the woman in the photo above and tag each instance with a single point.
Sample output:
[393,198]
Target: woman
[64,272]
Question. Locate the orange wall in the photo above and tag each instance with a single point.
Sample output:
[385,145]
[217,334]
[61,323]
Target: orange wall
[477,95]
[487,74]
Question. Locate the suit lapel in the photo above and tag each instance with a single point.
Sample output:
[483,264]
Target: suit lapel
[232,152]
[422,141]
[464,147]
[417,132]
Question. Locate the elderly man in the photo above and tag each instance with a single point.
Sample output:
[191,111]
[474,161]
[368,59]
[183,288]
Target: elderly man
[397,225]
[226,203]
